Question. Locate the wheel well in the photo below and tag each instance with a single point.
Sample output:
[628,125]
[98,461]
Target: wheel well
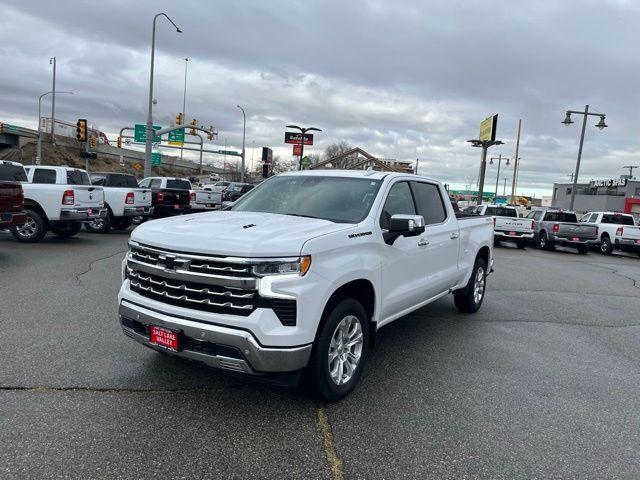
[361,290]
[605,234]
[33,205]
[483,253]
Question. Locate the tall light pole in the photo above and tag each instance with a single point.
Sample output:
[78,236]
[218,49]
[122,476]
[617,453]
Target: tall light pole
[244,131]
[631,169]
[302,132]
[567,121]
[39,144]
[149,130]
[499,158]
[52,61]
[184,99]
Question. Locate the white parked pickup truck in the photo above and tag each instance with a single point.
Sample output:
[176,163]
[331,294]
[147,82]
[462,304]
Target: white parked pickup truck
[615,231]
[123,199]
[298,277]
[203,199]
[507,225]
[58,199]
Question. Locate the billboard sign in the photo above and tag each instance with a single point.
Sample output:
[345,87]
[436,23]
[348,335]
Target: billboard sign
[267,155]
[488,129]
[297,150]
[296,138]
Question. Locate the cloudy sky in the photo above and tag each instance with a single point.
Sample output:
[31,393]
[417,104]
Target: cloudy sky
[401,79]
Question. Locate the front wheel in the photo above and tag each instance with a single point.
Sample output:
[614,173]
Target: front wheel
[340,352]
[31,231]
[66,229]
[470,298]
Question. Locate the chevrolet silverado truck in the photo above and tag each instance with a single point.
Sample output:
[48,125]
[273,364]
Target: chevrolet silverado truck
[170,196]
[616,231]
[58,199]
[560,227]
[296,279]
[11,195]
[507,226]
[123,199]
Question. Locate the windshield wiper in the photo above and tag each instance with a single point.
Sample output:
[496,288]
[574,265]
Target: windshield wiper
[306,216]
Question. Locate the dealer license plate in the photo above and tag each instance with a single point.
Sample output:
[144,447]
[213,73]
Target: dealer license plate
[164,338]
[576,239]
[512,233]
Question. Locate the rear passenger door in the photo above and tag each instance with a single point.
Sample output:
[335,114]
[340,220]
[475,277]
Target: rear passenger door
[442,237]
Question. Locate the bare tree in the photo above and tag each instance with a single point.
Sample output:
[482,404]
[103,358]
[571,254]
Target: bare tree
[336,149]
[280,164]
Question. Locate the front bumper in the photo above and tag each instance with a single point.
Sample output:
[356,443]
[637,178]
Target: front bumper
[137,211]
[515,236]
[12,219]
[214,345]
[82,213]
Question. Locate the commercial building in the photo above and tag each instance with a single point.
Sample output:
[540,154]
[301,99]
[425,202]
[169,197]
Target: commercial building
[617,195]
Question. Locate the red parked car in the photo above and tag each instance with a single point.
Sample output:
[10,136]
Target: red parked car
[11,195]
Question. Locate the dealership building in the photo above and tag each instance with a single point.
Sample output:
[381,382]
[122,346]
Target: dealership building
[617,195]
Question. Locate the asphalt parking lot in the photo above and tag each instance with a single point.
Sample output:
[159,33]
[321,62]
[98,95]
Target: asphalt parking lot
[544,382]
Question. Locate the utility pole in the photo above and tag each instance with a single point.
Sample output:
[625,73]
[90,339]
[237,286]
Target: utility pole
[499,158]
[244,132]
[571,175]
[184,99]
[631,168]
[52,61]
[515,164]
[504,187]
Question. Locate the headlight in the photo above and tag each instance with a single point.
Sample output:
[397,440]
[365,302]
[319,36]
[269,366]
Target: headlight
[299,266]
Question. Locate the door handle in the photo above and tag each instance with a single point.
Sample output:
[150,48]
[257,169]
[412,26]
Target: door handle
[423,242]
[454,235]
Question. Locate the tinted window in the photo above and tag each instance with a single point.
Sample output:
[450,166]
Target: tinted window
[337,199]
[121,180]
[246,188]
[13,173]
[560,217]
[43,175]
[501,212]
[156,182]
[398,202]
[97,178]
[430,204]
[179,184]
[77,177]
[145,183]
[617,219]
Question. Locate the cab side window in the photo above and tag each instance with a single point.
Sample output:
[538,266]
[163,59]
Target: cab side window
[145,183]
[399,202]
[430,203]
[43,175]
[156,183]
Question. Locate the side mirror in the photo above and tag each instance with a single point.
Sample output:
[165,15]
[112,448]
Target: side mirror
[404,226]
[227,205]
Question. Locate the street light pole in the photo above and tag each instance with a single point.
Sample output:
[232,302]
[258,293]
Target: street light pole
[244,132]
[149,130]
[52,61]
[567,121]
[302,132]
[39,144]
[184,98]
[499,158]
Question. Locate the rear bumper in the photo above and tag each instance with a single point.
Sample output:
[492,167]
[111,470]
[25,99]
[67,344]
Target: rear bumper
[626,242]
[12,219]
[137,211]
[163,210]
[221,347]
[570,241]
[80,214]
[515,236]
[205,206]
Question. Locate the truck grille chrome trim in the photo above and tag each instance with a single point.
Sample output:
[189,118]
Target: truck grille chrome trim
[185,298]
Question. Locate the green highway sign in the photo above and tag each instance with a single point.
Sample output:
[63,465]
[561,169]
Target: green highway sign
[156,159]
[176,137]
[140,133]
[229,152]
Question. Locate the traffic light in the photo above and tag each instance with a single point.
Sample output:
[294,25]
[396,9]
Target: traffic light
[194,122]
[119,141]
[81,130]
[93,142]
[179,119]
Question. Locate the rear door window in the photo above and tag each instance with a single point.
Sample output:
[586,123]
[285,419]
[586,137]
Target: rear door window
[77,177]
[430,203]
[44,175]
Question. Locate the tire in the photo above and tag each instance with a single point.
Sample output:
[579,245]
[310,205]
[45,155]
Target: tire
[544,242]
[470,298]
[66,229]
[121,223]
[521,245]
[496,242]
[349,313]
[33,230]
[606,247]
[99,225]
[583,249]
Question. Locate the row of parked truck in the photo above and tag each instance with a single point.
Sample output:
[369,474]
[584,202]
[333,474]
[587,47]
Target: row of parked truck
[60,199]
[548,227]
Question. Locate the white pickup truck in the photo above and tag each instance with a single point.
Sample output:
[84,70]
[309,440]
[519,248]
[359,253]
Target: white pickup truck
[296,279]
[507,225]
[615,231]
[203,199]
[57,199]
[123,199]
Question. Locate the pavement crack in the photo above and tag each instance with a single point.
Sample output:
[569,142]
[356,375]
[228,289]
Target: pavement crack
[337,470]
[615,271]
[93,262]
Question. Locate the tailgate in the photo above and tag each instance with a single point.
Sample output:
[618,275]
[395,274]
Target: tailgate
[174,196]
[508,224]
[580,230]
[142,197]
[87,195]
[631,233]
[202,196]
[10,196]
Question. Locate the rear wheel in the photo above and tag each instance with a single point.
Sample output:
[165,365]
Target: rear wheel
[470,298]
[583,249]
[33,230]
[544,242]
[99,225]
[340,352]
[66,229]
[606,247]
[521,244]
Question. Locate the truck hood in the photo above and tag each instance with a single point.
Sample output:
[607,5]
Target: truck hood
[237,234]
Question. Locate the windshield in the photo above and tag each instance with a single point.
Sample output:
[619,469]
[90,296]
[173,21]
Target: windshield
[13,173]
[179,184]
[337,199]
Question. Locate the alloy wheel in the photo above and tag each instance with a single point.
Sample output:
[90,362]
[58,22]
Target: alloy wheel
[345,349]
[478,285]
[28,229]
